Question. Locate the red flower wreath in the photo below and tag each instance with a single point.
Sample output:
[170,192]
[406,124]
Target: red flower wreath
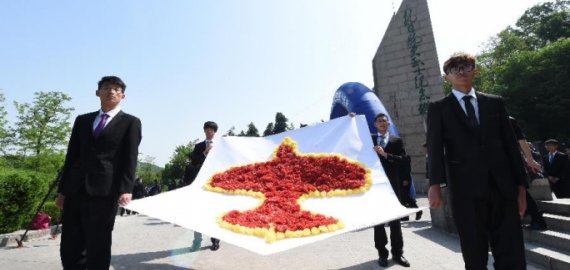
[283,183]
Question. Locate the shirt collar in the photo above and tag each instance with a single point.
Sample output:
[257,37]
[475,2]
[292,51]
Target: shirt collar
[459,95]
[112,113]
[385,135]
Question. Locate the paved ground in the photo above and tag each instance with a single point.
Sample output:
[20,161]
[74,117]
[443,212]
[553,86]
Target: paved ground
[141,242]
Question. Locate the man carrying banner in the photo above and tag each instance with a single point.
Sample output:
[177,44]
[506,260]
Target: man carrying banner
[197,157]
[98,173]
[473,149]
[390,150]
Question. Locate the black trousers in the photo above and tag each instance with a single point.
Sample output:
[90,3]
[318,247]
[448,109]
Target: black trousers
[396,239]
[87,226]
[494,221]
[532,208]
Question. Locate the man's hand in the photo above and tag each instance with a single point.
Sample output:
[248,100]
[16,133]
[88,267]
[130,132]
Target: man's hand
[125,199]
[405,183]
[378,149]
[434,196]
[351,114]
[522,201]
[59,201]
[534,166]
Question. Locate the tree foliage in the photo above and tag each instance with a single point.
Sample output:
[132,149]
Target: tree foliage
[268,130]
[529,64]
[535,86]
[281,124]
[174,169]
[5,134]
[251,131]
[43,125]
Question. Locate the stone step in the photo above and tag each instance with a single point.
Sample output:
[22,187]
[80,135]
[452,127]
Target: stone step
[549,238]
[557,222]
[549,258]
[558,207]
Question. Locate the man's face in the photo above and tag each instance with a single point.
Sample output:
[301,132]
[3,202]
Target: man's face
[210,132]
[382,124]
[110,95]
[551,147]
[462,75]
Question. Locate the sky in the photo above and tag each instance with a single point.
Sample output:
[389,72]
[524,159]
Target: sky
[233,62]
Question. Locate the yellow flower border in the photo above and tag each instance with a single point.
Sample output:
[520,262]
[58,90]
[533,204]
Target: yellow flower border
[270,234]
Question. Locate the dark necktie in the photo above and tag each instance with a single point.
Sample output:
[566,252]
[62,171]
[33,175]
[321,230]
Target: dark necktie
[550,158]
[470,111]
[381,141]
[100,126]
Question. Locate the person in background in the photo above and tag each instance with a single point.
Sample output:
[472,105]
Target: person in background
[557,169]
[197,157]
[537,220]
[138,191]
[154,189]
[392,155]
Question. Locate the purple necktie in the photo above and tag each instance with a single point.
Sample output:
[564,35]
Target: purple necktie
[100,126]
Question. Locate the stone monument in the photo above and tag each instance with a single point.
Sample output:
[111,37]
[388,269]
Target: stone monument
[407,76]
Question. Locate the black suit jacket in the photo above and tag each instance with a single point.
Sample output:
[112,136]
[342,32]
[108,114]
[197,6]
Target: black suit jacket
[560,166]
[467,157]
[197,156]
[106,165]
[395,164]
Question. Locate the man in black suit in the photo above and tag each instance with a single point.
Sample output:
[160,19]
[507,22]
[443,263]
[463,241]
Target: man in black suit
[472,148]
[390,150]
[557,169]
[197,158]
[98,173]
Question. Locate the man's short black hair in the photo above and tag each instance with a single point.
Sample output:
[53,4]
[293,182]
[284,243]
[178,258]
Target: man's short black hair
[112,80]
[212,125]
[551,141]
[380,115]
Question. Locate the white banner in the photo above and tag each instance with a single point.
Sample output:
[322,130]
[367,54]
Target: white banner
[197,208]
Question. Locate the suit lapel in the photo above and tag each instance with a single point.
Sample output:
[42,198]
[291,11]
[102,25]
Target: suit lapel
[458,111]
[482,105]
[89,119]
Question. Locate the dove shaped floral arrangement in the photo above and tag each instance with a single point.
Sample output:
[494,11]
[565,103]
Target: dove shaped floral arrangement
[282,184]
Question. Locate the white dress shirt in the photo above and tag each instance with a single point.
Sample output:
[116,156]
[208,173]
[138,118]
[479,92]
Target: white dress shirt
[459,96]
[112,113]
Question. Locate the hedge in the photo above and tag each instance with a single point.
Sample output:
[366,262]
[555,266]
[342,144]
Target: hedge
[21,191]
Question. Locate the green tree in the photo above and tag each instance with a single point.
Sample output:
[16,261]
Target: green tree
[251,131]
[231,131]
[535,86]
[528,64]
[268,130]
[5,134]
[146,169]
[540,25]
[44,124]
[174,169]
[281,124]
[545,23]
